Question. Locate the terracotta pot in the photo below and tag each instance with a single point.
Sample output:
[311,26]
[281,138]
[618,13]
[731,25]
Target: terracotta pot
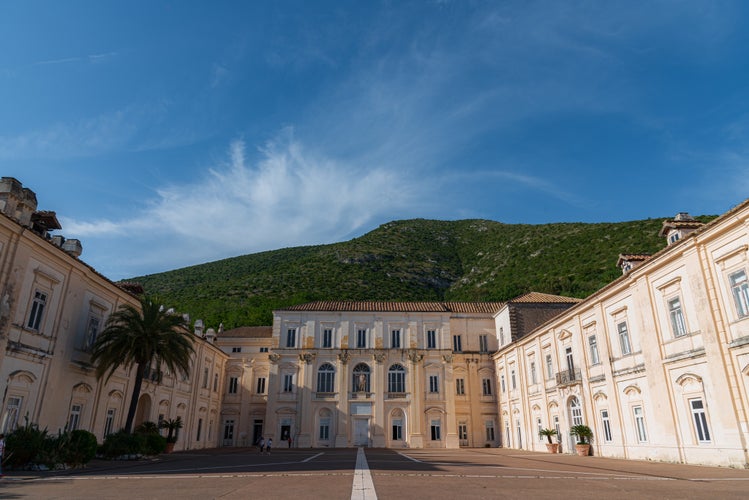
[552,447]
[583,450]
[169,448]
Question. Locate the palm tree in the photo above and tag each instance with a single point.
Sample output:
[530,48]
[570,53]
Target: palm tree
[144,337]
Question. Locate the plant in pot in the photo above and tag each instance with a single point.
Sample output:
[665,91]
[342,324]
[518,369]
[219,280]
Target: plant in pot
[584,434]
[171,425]
[551,446]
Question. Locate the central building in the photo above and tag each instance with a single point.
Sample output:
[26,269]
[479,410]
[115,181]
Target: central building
[384,374]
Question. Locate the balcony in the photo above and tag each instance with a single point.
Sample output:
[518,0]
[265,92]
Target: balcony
[396,395]
[569,377]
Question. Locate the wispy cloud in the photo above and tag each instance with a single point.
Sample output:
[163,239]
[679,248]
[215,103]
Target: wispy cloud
[91,58]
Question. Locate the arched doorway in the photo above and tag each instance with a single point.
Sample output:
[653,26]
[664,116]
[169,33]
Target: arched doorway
[143,410]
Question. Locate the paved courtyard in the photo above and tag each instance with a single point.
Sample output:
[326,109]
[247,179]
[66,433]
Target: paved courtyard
[378,473]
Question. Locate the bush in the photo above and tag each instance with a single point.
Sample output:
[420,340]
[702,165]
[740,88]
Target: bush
[122,443]
[81,448]
[154,444]
[24,444]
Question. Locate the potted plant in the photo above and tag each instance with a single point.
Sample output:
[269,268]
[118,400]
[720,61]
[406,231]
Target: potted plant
[584,434]
[551,447]
[171,425]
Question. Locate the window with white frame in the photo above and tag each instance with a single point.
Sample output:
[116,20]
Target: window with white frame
[486,384]
[549,367]
[457,343]
[642,435]
[361,338]
[460,387]
[436,430]
[502,383]
[507,431]
[483,343]
[676,314]
[75,417]
[109,422]
[397,379]
[534,377]
[262,349]
[606,425]
[12,410]
[327,338]
[624,343]
[699,417]
[233,385]
[557,427]
[434,384]
[513,380]
[326,378]
[37,310]
[463,431]
[288,382]
[501,336]
[593,347]
[291,337]
[740,292]
[539,428]
[237,349]
[431,339]
[489,428]
[395,339]
[260,386]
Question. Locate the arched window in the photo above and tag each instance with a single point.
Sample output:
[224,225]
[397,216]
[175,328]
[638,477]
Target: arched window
[576,411]
[326,378]
[397,378]
[361,378]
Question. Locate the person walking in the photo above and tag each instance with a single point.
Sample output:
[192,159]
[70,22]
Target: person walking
[268,444]
[261,444]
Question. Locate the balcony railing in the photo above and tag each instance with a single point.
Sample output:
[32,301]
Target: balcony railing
[569,377]
[395,395]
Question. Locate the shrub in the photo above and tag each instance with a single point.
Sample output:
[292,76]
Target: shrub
[81,448]
[147,428]
[24,444]
[154,444]
[122,443]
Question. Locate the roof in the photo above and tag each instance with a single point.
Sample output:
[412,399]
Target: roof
[47,219]
[255,332]
[631,257]
[676,224]
[543,298]
[384,306]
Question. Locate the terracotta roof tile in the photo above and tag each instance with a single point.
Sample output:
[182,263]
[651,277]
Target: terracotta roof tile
[384,306]
[543,298]
[257,332]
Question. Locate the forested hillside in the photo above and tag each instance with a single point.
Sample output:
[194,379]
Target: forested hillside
[409,260]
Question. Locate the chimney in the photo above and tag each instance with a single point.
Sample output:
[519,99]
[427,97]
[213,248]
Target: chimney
[73,247]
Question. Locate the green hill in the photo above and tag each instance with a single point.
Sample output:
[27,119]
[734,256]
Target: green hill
[408,260]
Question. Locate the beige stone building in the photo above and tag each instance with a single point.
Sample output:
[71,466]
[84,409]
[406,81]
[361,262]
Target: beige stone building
[52,306]
[656,362]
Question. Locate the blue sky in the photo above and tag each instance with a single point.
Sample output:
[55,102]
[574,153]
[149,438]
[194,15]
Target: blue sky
[171,133]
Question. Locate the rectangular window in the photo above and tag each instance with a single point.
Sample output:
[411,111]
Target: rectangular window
[487,386]
[700,420]
[228,429]
[263,349]
[261,385]
[109,422]
[593,345]
[233,385]
[489,426]
[557,428]
[435,427]
[200,429]
[483,343]
[642,435]
[740,291]
[501,336]
[539,427]
[431,339]
[215,382]
[624,338]
[434,384]
[37,310]
[513,380]
[460,388]
[549,367]
[291,337]
[236,349]
[463,432]
[205,378]
[678,325]
[327,338]
[457,343]
[361,339]
[606,424]
[533,372]
[397,430]
[395,339]
[502,383]
[288,382]
[75,417]
[324,429]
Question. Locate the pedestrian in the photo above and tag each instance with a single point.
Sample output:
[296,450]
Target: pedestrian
[2,453]
[261,444]
[268,444]
[289,440]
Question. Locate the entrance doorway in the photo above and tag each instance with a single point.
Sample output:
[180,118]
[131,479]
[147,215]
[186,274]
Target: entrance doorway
[257,431]
[361,432]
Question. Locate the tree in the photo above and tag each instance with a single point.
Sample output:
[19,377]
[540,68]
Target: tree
[142,337]
[548,433]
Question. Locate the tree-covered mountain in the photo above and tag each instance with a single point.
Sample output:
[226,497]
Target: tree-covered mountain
[409,260]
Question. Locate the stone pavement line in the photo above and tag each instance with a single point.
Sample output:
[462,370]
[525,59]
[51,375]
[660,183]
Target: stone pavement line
[363,487]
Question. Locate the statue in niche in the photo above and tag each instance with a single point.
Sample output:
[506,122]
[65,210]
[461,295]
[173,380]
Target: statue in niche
[361,384]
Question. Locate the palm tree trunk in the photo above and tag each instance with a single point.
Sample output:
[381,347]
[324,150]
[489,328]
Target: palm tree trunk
[134,398]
